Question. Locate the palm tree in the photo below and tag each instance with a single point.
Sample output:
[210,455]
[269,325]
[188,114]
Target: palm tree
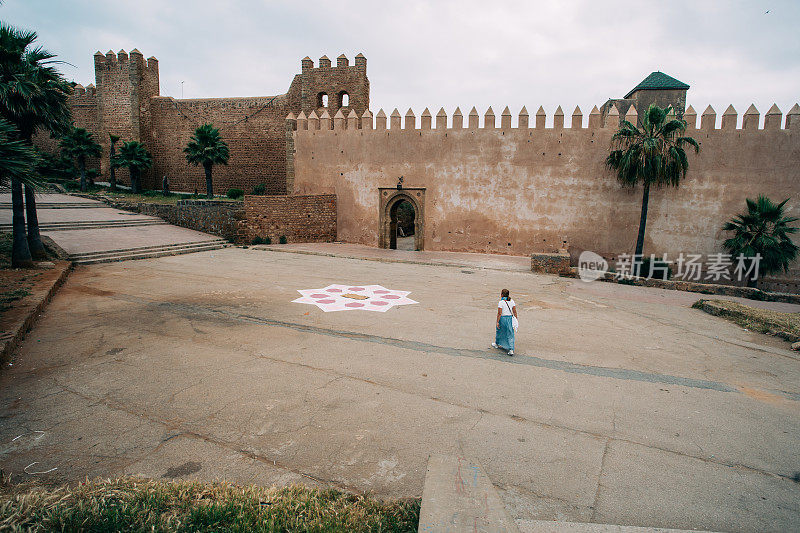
[79,144]
[763,230]
[32,95]
[207,148]
[17,164]
[112,176]
[134,156]
[652,155]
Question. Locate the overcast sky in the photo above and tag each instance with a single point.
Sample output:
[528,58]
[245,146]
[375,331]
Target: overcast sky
[440,53]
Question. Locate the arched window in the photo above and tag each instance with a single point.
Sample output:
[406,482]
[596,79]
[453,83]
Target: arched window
[344,99]
[322,100]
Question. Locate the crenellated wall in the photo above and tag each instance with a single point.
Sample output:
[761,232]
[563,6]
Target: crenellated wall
[127,103]
[493,188]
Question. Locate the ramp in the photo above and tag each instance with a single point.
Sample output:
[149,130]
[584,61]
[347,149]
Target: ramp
[459,497]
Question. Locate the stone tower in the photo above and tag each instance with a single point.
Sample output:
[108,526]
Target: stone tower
[330,88]
[657,88]
[125,84]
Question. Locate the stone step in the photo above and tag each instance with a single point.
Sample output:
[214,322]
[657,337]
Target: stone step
[143,249]
[458,496]
[94,224]
[150,255]
[549,526]
[60,205]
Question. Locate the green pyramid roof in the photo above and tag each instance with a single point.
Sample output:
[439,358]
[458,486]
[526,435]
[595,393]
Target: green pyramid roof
[658,80]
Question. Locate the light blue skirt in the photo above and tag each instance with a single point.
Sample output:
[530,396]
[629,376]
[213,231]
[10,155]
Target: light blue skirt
[504,337]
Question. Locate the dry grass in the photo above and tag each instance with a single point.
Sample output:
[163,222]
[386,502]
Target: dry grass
[15,284]
[784,325]
[131,504]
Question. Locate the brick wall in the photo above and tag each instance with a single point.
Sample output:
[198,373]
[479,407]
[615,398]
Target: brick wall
[301,218]
[257,145]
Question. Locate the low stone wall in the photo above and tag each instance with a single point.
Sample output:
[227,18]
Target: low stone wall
[557,263]
[788,285]
[702,288]
[209,216]
[300,218]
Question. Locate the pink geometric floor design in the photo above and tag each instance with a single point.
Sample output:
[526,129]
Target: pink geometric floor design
[354,298]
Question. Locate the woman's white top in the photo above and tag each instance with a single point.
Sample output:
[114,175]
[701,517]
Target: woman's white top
[506,306]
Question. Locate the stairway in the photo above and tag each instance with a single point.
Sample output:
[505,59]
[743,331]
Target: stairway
[91,224]
[148,252]
[60,205]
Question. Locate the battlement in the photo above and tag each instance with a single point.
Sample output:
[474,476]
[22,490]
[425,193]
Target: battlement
[344,121]
[122,59]
[332,88]
[79,91]
[307,64]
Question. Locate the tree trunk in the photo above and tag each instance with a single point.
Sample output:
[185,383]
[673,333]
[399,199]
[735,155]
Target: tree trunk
[112,176]
[82,170]
[134,180]
[637,257]
[209,185]
[34,239]
[20,252]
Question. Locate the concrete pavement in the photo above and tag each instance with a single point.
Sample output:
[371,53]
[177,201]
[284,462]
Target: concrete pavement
[623,405]
[89,230]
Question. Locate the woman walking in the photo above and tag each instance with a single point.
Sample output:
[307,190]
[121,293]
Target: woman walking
[506,313]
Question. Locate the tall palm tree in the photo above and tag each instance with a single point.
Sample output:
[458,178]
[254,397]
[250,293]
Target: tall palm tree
[765,230]
[652,155]
[17,164]
[79,144]
[33,95]
[207,148]
[134,156]
[112,176]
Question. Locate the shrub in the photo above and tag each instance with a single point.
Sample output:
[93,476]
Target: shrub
[267,240]
[260,189]
[260,240]
[72,186]
[233,194]
[282,239]
[150,193]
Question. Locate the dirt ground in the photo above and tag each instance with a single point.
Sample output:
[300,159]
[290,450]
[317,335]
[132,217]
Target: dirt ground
[623,405]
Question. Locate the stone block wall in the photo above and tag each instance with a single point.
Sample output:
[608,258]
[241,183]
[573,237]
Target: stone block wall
[209,216]
[556,263]
[301,218]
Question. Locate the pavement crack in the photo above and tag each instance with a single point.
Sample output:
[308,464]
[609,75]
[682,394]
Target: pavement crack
[232,446]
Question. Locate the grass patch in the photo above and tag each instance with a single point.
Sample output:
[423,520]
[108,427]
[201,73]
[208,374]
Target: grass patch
[130,504]
[146,197]
[7,297]
[785,325]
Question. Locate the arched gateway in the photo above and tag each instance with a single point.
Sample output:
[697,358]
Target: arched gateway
[390,204]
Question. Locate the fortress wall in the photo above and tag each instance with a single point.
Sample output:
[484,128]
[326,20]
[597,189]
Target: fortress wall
[257,145]
[524,190]
[127,103]
[83,104]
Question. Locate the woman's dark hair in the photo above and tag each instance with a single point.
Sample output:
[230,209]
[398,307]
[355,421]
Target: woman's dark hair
[504,293]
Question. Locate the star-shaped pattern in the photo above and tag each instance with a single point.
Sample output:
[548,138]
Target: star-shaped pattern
[354,298]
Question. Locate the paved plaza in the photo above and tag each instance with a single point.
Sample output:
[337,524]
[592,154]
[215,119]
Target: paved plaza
[623,405]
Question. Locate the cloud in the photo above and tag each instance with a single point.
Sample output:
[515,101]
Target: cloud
[442,53]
